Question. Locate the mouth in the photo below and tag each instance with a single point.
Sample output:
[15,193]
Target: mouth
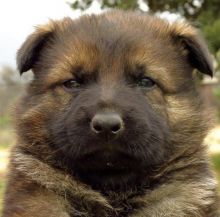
[107,159]
[108,168]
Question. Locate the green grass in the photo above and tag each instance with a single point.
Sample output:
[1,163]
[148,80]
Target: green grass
[2,189]
[216,163]
[2,186]
[7,137]
[5,121]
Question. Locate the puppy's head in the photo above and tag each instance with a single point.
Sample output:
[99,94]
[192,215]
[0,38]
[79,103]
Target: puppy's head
[113,95]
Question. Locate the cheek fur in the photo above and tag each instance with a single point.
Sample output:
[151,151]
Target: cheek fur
[40,109]
[186,120]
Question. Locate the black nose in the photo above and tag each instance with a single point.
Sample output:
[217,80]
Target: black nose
[107,123]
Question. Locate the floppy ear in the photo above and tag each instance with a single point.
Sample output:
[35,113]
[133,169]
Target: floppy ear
[29,52]
[191,41]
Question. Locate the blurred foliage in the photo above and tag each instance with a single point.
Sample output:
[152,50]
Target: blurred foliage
[8,75]
[210,26]
[2,189]
[191,9]
[5,120]
[216,164]
[217,92]
[11,86]
[122,4]
[217,95]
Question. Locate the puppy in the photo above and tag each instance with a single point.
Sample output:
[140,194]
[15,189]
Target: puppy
[112,124]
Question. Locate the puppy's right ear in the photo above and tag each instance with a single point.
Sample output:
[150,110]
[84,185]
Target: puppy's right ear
[190,40]
[29,52]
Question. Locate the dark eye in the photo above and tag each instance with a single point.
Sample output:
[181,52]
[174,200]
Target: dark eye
[146,82]
[70,84]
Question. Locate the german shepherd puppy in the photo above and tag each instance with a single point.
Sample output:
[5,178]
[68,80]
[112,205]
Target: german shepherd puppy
[112,124]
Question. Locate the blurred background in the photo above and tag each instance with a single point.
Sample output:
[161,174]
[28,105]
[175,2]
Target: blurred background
[18,18]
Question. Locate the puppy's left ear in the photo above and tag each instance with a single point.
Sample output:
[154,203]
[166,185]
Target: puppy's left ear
[31,49]
[194,46]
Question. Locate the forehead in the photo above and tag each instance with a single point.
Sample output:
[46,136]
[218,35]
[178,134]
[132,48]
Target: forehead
[112,36]
[111,42]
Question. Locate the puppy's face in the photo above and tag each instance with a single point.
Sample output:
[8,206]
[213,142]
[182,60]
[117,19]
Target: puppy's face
[113,95]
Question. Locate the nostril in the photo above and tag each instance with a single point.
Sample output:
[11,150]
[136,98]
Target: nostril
[97,128]
[116,128]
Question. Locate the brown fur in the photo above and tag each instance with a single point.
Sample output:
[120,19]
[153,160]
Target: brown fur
[172,173]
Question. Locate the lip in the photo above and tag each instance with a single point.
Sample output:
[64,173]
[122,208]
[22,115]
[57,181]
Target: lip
[106,159]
